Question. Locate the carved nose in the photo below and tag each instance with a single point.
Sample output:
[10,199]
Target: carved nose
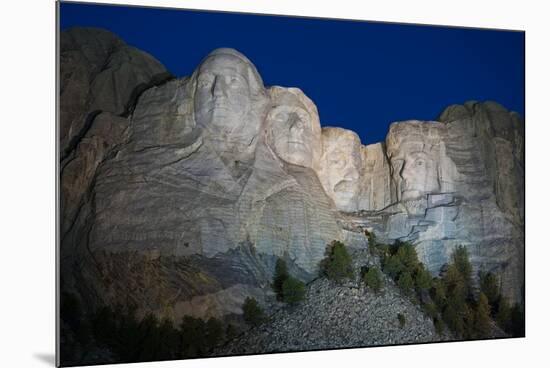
[217,87]
[351,174]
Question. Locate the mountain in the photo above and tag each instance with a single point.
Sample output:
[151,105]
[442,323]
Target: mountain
[178,195]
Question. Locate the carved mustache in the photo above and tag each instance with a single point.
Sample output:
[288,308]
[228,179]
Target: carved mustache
[344,186]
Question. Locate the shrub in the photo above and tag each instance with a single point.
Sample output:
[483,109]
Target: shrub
[372,279]
[294,290]
[337,263]
[401,319]
[281,274]
[252,312]
[406,283]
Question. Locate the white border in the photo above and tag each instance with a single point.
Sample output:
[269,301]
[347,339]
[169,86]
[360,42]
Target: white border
[28,181]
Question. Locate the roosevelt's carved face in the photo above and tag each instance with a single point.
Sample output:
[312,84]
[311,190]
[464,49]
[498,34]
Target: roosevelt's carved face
[341,167]
[294,129]
[415,173]
[222,96]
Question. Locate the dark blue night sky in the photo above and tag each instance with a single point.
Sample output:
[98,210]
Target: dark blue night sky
[361,75]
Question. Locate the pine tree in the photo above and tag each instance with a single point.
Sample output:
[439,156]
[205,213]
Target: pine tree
[482,317]
[372,279]
[281,274]
[294,291]
[252,312]
[462,263]
[423,279]
[405,282]
[488,284]
[337,263]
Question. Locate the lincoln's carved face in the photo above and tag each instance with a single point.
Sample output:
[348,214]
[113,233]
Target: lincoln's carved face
[341,167]
[419,164]
[415,173]
[294,129]
[222,96]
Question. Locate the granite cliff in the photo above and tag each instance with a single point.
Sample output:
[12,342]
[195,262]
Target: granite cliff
[178,194]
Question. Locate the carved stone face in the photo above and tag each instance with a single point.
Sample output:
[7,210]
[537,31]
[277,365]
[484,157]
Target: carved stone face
[415,174]
[222,96]
[341,167]
[418,161]
[293,126]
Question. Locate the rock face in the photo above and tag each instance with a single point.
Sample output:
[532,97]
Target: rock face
[459,182]
[178,195]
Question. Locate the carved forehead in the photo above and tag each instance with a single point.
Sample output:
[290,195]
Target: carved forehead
[341,139]
[231,62]
[224,64]
[414,136]
[293,99]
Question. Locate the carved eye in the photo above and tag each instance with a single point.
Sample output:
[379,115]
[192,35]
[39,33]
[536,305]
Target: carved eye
[281,116]
[235,82]
[204,81]
[337,163]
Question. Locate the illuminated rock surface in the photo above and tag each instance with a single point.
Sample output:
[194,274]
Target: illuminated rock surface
[177,197]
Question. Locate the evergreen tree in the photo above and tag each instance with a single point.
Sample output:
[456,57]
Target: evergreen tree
[193,337]
[517,321]
[462,263]
[488,284]
[393,266]
[406,283]
[504,314]
[294,290]
[281,274]
[482,317]
[407,256]
[214,332]
[372,279]
[252,312]
[423,279]
[337,263]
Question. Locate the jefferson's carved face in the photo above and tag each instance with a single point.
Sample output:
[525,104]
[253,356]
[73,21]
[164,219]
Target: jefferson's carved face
[294,131]
[292,134]
[341,167]
[415,173]
[222,97]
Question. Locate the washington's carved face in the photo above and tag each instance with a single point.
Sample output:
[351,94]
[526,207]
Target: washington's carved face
[341,167]
[415,173]
[222,96]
